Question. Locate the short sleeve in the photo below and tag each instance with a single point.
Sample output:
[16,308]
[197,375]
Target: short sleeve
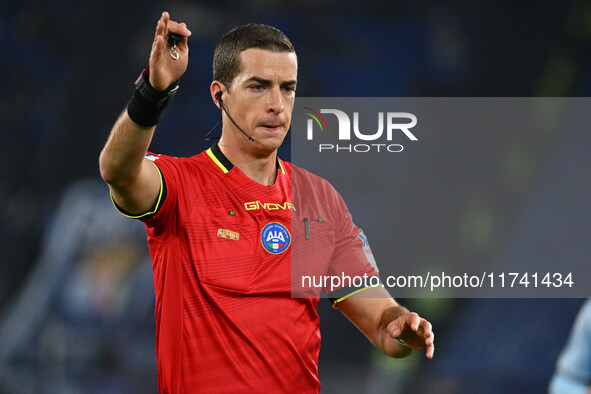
[163,220]
[150,212]
[352,256]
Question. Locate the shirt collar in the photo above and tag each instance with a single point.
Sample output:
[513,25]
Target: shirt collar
[215,153]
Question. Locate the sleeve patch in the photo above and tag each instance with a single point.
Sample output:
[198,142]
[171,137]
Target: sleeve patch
[367,251]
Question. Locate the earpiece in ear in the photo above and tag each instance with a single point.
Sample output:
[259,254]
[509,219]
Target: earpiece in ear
[218,97]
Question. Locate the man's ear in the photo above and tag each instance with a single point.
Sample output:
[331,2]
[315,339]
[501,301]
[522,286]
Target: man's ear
[217,90]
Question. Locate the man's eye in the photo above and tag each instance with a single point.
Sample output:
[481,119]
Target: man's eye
[257,87]
[289,89]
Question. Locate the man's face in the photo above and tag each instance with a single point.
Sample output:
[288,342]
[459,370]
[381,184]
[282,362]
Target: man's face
[261,98]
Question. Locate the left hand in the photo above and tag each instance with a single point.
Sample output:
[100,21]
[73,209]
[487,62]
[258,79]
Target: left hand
[414,331]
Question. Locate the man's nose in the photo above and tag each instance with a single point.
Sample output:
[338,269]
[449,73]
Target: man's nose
[275,103]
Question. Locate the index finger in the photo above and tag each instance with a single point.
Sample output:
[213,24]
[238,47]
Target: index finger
[415,322]
[171,26]
[426,327]
[165,17]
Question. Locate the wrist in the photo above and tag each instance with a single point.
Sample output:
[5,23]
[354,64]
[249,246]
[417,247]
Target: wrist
[147,104]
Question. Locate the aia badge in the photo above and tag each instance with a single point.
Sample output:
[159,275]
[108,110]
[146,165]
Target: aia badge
[275,238]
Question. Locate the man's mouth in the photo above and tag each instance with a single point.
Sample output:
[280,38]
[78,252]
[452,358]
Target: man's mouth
[271,127]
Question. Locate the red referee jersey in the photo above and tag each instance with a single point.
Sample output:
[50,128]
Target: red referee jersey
[221,246]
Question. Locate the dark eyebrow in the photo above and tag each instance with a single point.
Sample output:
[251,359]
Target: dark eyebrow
[262,81]
[266,82]
[289,83]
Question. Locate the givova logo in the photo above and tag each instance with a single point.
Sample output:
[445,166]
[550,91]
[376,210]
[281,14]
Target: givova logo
[391,125]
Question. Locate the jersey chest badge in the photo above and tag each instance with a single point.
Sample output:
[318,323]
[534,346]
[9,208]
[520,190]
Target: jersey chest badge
[275,238]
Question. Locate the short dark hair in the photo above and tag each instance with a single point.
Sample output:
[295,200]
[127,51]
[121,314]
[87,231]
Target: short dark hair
[226,58]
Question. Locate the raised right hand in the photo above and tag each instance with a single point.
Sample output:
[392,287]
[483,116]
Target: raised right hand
[164,70]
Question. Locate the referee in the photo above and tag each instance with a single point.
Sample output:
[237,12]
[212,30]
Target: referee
[223,228]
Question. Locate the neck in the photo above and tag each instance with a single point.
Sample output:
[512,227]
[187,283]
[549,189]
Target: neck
[261,168]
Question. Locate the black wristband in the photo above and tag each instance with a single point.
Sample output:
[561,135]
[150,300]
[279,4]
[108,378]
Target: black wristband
[147,104]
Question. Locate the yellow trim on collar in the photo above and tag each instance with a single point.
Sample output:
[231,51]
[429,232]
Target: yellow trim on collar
[216,161]
[281,166]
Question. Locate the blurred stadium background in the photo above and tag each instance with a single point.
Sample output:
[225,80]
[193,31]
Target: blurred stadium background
[76,295]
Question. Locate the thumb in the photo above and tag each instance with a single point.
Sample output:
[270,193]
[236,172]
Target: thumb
[395,327]
[403,323]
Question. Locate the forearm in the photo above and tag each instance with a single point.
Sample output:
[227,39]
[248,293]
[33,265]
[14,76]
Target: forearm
[121,161]
[122,157]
